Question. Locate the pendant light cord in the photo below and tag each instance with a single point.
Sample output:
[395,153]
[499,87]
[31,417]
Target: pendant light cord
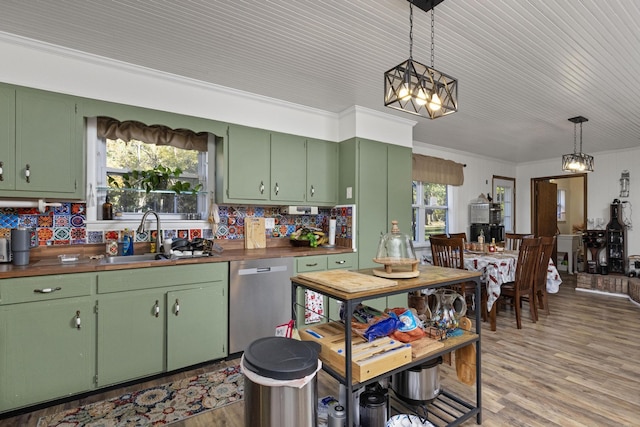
[432,37]
[580,137]
[575,138]
[411,30]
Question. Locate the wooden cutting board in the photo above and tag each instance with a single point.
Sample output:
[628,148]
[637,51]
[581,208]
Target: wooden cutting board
[466,358]
[348,281]
[255,235]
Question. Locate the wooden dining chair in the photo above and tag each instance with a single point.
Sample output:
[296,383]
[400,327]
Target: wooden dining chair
[522,287]
[512,240]
[459,235]
[449,252]
[539,293]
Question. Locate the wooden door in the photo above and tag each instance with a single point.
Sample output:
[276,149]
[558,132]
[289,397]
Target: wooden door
[545,211]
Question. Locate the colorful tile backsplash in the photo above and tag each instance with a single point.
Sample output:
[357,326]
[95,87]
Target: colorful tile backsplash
[65,224]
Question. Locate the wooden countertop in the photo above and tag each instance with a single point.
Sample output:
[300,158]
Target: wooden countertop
[429,275]
[46,261]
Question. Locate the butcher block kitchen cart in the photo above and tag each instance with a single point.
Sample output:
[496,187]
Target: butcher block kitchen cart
[455,407]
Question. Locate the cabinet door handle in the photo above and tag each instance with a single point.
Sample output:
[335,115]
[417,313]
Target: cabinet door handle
[313,191]
[47,290]
[276,189]
[156,309]
[78,319]
[341,261]
[312,265]
[1,171]
[27,173]
[261,187]
[177,310]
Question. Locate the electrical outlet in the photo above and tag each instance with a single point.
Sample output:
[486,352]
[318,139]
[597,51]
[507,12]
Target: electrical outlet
[270,223]
[349,192]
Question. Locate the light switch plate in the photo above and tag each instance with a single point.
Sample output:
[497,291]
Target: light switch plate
[270,223]
[349,192]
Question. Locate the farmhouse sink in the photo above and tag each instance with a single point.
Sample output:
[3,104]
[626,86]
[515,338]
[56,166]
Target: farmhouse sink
[132,258]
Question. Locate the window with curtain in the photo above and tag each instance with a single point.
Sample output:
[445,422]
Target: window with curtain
[432,178]
[132,146]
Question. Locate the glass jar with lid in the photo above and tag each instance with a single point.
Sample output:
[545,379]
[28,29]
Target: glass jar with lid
[396,253]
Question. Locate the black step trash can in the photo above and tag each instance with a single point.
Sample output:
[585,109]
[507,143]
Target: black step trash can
[280,386]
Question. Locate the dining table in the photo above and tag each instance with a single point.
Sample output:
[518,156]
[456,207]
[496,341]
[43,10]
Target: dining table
[498,268]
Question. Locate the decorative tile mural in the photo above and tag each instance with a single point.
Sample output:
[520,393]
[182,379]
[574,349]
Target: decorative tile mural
[65,224]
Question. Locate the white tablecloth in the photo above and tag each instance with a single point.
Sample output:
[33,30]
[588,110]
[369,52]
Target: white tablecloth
[500,267]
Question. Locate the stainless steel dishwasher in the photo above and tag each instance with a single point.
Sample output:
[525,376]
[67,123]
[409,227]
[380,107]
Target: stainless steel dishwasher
[259,299]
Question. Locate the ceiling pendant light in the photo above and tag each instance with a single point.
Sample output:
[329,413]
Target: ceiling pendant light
[417,89]
[577,161]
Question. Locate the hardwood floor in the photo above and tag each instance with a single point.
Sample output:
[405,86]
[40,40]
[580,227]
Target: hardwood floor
[578,366]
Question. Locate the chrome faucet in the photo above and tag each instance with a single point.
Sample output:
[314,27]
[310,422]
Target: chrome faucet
[158,232]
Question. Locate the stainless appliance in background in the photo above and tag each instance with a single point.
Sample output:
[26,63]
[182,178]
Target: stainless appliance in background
[486,217]
[5,250]
[485,213]
[259,299]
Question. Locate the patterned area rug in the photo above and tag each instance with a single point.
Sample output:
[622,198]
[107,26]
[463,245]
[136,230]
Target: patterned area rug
[158,405]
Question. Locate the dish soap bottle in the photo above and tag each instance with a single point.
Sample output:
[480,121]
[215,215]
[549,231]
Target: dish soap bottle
[127,242]
[107,209]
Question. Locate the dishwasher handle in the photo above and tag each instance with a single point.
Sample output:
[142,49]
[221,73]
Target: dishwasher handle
[262,270]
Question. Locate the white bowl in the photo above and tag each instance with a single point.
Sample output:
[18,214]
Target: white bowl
[404,420]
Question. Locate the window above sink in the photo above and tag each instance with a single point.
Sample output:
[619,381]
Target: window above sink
[110,157]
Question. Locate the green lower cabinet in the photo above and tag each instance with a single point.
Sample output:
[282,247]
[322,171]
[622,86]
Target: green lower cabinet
[43,354]
[307,264]
[194,319]
[131,335]
[159,319]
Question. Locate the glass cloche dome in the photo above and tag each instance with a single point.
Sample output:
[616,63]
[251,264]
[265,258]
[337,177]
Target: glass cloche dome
[396,253]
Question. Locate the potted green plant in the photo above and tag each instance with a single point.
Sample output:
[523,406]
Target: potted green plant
[158,178]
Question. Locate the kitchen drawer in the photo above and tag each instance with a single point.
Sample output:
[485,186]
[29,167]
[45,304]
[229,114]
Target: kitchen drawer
[157,277]
[348,261]
[18,290]
[311,263]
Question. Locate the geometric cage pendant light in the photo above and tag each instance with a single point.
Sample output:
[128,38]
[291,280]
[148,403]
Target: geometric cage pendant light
[417,89]
[577,161]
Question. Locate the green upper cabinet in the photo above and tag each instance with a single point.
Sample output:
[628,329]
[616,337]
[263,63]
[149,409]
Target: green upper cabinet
[42,144]
[322,172]
[255,166]
[245,165]
[288,168]
[7,137]
[380,178]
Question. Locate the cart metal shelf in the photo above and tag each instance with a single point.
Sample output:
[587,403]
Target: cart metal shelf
[452,410]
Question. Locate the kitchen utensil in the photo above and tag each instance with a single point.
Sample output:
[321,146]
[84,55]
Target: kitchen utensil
[466,357]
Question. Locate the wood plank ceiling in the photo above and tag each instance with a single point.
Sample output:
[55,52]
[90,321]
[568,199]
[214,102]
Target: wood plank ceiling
[523,67]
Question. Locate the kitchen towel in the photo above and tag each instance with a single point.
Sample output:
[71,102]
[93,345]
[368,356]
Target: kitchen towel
[314,307]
